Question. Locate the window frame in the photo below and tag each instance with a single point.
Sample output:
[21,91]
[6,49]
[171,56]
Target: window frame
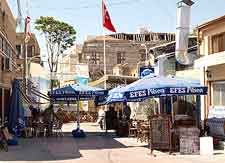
[120,57]
[217,37]
[212,93]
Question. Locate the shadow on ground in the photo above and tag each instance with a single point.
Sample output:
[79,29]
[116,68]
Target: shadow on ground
[60,148]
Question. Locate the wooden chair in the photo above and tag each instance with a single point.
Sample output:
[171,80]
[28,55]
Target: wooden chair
[144,133]
[57,128]
[40,128]
[138,131]
[132,130]
[29,130]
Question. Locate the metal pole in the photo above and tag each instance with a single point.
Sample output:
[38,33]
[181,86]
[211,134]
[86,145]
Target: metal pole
[172,111]
[78,114]
[3,106]
[25,69]
[146,53]
[104,55]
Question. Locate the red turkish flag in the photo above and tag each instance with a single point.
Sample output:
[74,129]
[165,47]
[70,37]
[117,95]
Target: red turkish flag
[106,18]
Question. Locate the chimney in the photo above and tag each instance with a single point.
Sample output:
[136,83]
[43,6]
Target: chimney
[182,32]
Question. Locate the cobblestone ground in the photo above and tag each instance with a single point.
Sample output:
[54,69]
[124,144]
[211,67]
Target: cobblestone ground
[97,147]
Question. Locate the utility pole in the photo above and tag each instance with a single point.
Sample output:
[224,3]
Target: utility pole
[27,28]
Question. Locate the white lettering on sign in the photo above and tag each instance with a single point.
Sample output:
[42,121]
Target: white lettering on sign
[177,90]
[195,90]
[156,91]
[138,94]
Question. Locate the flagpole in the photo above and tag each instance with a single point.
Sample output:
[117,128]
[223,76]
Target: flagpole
[26,67]
[26,43]
[104,55]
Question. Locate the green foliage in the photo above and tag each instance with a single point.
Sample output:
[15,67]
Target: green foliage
[56,31]
[58,36]
[61,105]
[55,83]
[149,109]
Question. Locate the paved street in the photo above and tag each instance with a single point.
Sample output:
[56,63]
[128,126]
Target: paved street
[97,147]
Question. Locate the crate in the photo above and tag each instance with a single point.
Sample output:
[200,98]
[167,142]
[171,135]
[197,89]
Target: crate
[189,145]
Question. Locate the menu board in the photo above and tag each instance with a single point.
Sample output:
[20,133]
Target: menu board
[160,134]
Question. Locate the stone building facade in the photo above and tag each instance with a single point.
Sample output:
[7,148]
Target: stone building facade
[7,54]
[69,65]
[124,52]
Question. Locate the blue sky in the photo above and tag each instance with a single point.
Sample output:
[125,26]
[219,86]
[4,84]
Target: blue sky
[126,15]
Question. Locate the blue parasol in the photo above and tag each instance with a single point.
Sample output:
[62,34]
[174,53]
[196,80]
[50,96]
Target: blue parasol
[153,86]
[115,95]
[77,92]
[16,110]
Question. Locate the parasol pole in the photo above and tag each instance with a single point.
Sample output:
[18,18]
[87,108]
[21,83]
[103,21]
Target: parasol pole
[172,110]
[78,114]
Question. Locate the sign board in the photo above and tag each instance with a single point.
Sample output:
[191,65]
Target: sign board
[160,132]
[144,71]
[144,93]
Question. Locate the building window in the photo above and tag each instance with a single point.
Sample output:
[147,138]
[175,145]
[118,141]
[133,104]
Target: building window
[218,43]
[4,46]
[30,51]
[120,57]
[95,58]
[7,61]
[18,51]
[1,42]
[218,93]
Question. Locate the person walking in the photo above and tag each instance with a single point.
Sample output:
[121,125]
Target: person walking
[101,117]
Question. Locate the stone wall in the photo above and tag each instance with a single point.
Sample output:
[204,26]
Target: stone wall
[131,52]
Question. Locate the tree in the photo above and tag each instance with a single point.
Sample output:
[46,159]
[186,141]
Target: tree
[58,36]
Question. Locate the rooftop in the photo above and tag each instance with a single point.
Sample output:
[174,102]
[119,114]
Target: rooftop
[212,21]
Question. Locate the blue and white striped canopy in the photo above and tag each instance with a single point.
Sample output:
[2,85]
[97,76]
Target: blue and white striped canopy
[76,92]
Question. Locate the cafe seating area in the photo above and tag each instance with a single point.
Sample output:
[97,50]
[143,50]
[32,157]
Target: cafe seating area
[39,128]
[139,129]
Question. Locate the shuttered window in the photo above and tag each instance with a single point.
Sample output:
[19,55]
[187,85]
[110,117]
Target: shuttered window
[218,43]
